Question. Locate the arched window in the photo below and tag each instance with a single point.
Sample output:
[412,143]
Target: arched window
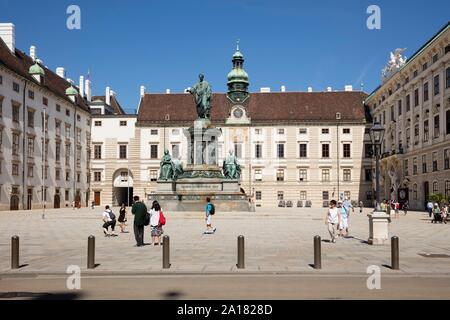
[447,188]
[435,187]
[415,192]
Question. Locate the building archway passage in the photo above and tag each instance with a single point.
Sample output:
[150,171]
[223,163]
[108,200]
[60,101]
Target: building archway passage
[122,187]
[14,203]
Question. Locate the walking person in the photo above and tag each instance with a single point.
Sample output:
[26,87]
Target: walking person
[444,213]
[343,225]
[430,208]
[157,221]
[109,220]
[406,207]
[139,210]
[397,209]
[436,214]
[333,220]
[210,210]
[123,218]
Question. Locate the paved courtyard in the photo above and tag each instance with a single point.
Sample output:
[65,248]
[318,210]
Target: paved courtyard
[277,241]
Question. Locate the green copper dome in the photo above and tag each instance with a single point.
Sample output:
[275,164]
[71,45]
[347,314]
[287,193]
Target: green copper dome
[238,79]
[36,69]
[71,91]
[238,75]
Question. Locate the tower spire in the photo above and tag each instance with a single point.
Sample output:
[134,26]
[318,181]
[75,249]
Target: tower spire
[238,79]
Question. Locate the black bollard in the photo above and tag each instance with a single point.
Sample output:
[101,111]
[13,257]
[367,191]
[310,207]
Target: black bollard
[15,253]
[241,253]
[91,252]
[317,252]
[395,254]
[166,252]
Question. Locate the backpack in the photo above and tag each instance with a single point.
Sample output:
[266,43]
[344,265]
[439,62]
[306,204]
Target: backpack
[112,215]
[212,211]
[162,219]
[147,219]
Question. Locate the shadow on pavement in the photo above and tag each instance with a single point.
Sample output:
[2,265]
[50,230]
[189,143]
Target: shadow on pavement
[40,296]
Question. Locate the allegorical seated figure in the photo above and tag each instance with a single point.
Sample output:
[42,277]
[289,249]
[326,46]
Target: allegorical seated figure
[177,168]
[167,167]
[231,167]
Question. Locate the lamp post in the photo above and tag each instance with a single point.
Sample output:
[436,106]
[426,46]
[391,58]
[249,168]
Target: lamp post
[377,136]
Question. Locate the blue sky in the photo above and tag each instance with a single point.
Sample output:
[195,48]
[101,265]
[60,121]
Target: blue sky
[166,44]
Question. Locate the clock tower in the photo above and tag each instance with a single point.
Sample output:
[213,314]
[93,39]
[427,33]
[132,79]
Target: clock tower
[238,79]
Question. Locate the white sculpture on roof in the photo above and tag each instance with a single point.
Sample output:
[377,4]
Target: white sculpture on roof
[396,61]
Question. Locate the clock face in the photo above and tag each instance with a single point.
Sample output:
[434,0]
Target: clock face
[402,194]
[238,113]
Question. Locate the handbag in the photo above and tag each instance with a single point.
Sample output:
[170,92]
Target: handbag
[147,219]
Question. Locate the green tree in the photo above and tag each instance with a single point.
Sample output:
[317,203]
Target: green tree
[438,198]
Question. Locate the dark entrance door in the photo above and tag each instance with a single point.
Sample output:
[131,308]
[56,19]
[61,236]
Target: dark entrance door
[97,198]
[426,191]
[57,201]
[14,203]
[30,199]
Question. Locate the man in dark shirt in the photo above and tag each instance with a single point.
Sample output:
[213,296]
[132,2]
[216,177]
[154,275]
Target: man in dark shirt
[139,211]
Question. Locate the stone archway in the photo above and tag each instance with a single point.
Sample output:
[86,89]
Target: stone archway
[14,203]
[122,187]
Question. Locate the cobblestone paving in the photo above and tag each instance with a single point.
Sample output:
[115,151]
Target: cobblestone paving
[277,240]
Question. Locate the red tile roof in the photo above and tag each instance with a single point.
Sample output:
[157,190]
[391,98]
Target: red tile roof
[20,63]
[262,107]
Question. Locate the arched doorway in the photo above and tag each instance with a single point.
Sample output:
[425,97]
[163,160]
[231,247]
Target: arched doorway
[57,201]
[122,187]
[14,203]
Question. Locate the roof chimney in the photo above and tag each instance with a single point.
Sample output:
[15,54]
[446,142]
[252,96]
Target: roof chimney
[142,91]
[310,89]
[283,88]
[108,96]
[329,89]
[61,72]
[33,52]
[82,86]
[168,91]
[87,89]
[265,90]
[8,34]
[348,88]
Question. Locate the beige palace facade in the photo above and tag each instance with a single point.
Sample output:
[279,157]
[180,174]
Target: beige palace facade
[413,105]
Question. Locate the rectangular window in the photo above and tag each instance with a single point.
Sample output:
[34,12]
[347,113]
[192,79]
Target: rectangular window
[447,121]
[303,175]
[416,97]
[97,152]
[258,195]
[97,176]
[154,132]
[368,175]
[258,132]
[238,150]
[436,127]
[79,136]
[406,167]
[346,131]
[15,144]
[122,152]
[325,195]
[436,85]
[415,169]
[79,157]
[58,152]
[424,163]
[68,152]
[58,108]
[78,118]
[425,92]
[426,131]
[424,66]
[44,101]
[447,188]
[326,131]
[175,132]
[303,150]
[67,175]
[435,58]
[347,150]
[67,131]
[30,147]
[392,113]
[153,175]
[30,171]
[97,123]
[258,175]
[368,150]
[30,118]
[280,131]
[303,131]
[154,151]
[325,150]
[280,150]
[16,113]
[31,95]
[280,175]
[175,151]
[280,195]
[435,161]
[446,159]
[57,174]
[447,78]
[16,87]
[303,195]
[258,151]
[408,103]
[15,169]
[368,195]
[399,106]
[416,134]
[347,175]
[325,175]
[123,123]
[68,112]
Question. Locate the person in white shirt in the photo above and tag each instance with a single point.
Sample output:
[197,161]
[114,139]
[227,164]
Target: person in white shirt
[155,225]
[109,220]
[430,208]
[333,220]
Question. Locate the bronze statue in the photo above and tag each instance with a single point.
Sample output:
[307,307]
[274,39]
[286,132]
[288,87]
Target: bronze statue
[167,167]
[231,167]
[203,96]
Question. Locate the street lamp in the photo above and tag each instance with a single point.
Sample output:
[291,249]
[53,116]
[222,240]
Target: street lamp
[377,136]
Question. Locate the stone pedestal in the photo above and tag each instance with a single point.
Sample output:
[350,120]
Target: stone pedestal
[378,228]
[202,143]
